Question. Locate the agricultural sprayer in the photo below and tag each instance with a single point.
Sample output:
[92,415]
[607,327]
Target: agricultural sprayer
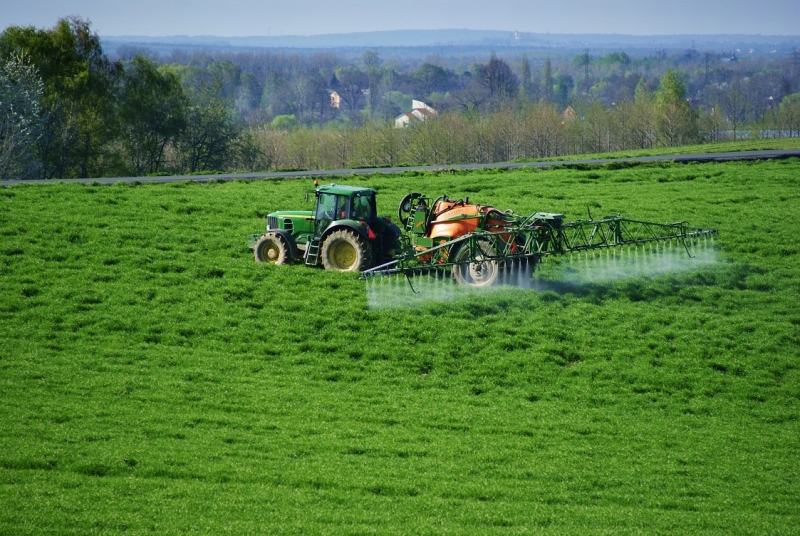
[474,245]
[480,245]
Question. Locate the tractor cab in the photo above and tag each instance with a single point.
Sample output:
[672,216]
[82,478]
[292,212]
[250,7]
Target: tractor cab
[343,203]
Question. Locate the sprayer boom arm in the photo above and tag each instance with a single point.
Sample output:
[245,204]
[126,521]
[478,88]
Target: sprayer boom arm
[612,231]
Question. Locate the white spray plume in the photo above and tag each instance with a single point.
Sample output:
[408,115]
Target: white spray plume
[590,267]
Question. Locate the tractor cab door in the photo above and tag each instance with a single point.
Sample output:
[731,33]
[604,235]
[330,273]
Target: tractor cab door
[330,208]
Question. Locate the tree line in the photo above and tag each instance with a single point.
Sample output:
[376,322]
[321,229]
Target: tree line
[68,110]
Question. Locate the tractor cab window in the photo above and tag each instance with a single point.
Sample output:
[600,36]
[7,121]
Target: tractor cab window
[326,211]
[364,207]
[326,206]
[330,207]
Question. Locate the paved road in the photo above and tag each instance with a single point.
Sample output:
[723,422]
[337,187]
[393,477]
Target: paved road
[683,158]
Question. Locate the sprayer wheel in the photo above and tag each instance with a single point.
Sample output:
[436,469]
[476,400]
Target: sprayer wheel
[346,251]
[273,249]
[475,271]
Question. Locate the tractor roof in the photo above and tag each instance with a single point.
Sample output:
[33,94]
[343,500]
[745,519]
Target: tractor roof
[344,190]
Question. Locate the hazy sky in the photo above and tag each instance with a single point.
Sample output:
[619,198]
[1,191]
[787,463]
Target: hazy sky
[310,17]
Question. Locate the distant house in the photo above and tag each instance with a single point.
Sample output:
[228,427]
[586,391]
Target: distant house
[569,114]
[419,112]
[771,102]
[403,119]
[336,100]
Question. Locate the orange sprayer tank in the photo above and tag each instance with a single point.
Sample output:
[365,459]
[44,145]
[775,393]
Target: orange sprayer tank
[453,219]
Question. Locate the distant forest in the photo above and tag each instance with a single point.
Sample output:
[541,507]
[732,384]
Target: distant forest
[70,109]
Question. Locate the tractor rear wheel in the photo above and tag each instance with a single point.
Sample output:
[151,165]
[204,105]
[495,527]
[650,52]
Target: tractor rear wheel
[475,270]
[346,251]
[273,249]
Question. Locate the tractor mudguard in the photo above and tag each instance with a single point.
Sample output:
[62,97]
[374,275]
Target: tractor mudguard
[335,226]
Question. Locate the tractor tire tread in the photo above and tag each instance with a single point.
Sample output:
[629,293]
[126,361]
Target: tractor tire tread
[363,250]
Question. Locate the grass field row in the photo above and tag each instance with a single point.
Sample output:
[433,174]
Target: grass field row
[154,379]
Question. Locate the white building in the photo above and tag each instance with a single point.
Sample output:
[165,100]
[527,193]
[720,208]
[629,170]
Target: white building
[419,112]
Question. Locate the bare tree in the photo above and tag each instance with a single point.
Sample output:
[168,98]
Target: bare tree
[712,125]
[597,128]
[545,131]
[735,106]
[469,100]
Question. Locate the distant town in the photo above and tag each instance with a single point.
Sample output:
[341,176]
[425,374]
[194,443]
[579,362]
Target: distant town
[113,106]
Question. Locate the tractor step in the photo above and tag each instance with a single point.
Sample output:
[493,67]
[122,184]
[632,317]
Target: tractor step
[312,253]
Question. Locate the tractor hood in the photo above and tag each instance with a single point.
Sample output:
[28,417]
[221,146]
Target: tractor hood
[307,214]
[292,221]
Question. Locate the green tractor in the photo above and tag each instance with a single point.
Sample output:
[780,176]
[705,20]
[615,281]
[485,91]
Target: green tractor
[343,233]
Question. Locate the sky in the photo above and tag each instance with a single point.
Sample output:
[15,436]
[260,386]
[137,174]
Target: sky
[231,18]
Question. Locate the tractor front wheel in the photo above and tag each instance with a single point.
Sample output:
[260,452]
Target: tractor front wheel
[475,270]
[346,251]
[273,249]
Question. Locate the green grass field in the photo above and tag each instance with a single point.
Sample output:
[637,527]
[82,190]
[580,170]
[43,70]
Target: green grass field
[154,379]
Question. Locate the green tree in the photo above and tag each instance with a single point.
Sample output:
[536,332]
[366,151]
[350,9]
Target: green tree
[276,95]
[284,122]
[227,75]
[789,114]
[372,63]
[497,78]
[206,142]
[642,91]
[21,92]
[352,83]
[79,83]
[563,86]
[582,61]
[671,88]
[675,120]
[526,82]
[547,82]
[429,78]
[152,113]
[614,58]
